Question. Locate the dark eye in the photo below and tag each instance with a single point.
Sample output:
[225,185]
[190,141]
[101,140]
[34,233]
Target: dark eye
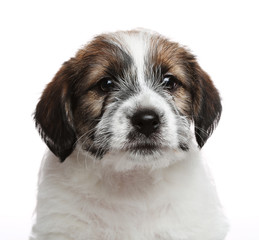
[106,84]
[170,82]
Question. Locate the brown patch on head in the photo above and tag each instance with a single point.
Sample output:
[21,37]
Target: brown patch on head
[182,99]
[72,104]
[170,58]
[87,112]
[196,98]
[101,58]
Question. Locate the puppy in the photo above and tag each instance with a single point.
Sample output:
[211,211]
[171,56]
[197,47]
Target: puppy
[124,120]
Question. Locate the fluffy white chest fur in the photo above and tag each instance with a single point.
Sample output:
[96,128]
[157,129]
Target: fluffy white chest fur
[124,121]
[81,200]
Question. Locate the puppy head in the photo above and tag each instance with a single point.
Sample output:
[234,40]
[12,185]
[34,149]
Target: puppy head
[132,93]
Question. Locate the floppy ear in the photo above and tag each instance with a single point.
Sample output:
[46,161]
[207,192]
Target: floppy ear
[206,106]
[53,115]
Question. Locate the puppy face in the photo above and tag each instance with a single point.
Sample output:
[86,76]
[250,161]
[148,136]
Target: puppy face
[129,93]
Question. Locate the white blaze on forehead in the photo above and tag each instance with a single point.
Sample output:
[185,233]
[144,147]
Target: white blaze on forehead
[137,45]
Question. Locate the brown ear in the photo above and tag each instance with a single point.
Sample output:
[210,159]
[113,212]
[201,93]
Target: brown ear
[53,115]
[206,106]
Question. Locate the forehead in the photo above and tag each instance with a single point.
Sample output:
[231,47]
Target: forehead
[134,54]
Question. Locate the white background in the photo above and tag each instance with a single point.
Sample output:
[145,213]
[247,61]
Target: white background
[38,36]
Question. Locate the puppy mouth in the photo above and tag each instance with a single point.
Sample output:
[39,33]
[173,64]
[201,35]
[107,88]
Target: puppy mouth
[144,148]
[140,144]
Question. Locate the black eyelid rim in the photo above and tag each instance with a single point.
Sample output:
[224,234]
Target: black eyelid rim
[171,75]
[99,82]
[107,77]
[175,79]
[114,80]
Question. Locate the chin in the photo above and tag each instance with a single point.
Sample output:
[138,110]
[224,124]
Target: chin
[124,121]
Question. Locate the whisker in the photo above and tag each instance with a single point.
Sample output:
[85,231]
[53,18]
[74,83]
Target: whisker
[202,130]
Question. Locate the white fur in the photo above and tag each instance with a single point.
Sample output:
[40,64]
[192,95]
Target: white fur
[137,45]
[84,198]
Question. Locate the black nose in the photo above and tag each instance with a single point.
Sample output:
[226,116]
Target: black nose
[146,121]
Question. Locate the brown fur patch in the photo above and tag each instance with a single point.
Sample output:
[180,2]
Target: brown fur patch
[100,58]
[171,58]
[198,98]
